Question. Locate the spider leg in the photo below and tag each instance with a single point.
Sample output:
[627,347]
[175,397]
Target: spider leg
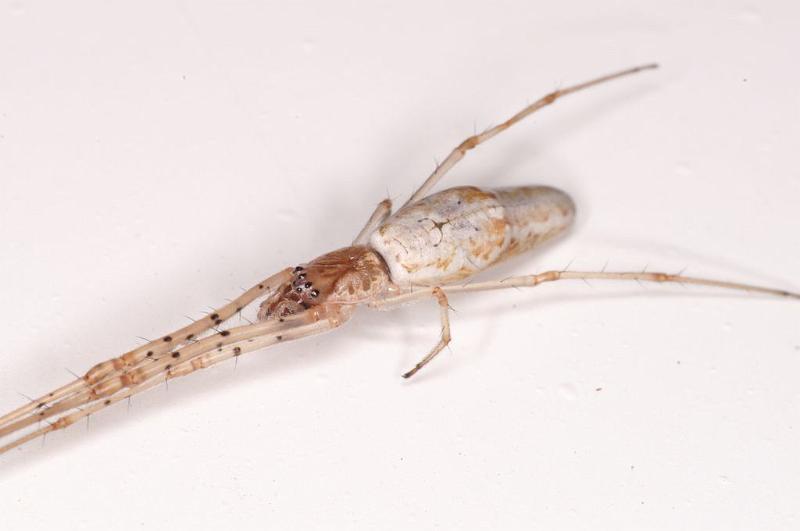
[209,352]
[384,208]
[530,281]
[636,276]
[164,344]
[444,340]
[382,211]
[142,372]
[458,153]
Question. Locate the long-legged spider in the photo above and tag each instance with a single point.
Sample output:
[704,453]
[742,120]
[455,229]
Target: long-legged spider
[422,251]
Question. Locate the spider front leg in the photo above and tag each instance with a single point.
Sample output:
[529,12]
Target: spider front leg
[115,366]
[201,355]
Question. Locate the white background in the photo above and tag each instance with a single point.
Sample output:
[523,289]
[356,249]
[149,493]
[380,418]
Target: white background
[157,156]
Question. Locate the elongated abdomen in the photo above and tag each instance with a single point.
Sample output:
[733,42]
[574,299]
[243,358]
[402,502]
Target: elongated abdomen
[460,231]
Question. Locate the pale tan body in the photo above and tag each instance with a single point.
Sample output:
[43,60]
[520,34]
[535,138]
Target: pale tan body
[432,241]
[454,234]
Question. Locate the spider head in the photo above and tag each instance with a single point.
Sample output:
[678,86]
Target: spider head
[350,275]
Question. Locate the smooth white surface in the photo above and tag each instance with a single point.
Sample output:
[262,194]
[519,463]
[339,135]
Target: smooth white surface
[154,157]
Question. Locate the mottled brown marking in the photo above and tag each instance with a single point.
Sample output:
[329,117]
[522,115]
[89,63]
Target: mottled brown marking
[464,272]
[473,194]
[444,262]
[513,247]
[540,215]
[483,248]
[497,230]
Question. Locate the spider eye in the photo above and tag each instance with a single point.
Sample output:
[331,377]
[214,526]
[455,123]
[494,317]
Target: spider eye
[308,285]
[298,269]
[301,276]
[299,289]
[315,293]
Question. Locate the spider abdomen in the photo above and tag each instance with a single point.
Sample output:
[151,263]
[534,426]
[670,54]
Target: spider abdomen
[460,231]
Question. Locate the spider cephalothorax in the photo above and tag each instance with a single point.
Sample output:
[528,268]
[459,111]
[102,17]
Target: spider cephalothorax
[345,276]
